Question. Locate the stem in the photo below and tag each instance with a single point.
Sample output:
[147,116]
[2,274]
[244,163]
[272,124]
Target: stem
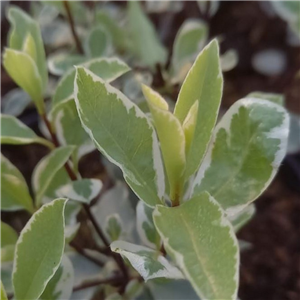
[83,253]
[72,27]
[112,280]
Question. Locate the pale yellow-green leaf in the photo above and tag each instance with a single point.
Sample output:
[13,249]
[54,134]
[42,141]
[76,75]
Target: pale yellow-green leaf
[204,84]
[172,141]
[23,25]
[23,70]
[3,293]
[189,125]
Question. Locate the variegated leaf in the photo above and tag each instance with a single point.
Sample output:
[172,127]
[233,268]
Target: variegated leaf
[203,84]
[14,132]
[46,170]
[201,241]
[149,263]
[245,153]
[39,251]
[172,141]
[145,226]
[83,190]
[60,287]
[107,68]
[14,191]
[134,148]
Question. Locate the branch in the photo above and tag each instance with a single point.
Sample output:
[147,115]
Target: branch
[72,27]
[116,280]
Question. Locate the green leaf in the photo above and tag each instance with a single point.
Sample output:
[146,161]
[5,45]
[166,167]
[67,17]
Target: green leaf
[208,7]
[275,98]
[22,69]
[202,242]
[144,41]
[61,62]
[15,102]
[114,227]
[134,147]
[7,253]
[242,218]
[69,131]
[39,250]
[3,293]
[83,190]
[108,69]
[14,191]
[60,286]
[70,230]
[46,170]
[116,32]
[203,84]
[14,132]
[229,60]
[245,153]
[148,263]
[172,141]
[24,29]
[98,42]
[145,226]
[190,39]
[8,235]
[116,203]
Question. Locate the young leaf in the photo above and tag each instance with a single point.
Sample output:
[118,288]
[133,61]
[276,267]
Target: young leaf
[39,250]
[149,263]
[108,69]
[145,226]
[8,235]
[190,39]
[247,148]
[3,293]
[189,126]
[204,246]
[46,170]
[14,190]
[60,286]
[134,148]
[14,132]
[83,190]
[23,27]
[242,218]
[275,98]
[145,42]
[23,70]
[203,84]
[98,42]
[172,140]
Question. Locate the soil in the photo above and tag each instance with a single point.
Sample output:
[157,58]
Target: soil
[270,268]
